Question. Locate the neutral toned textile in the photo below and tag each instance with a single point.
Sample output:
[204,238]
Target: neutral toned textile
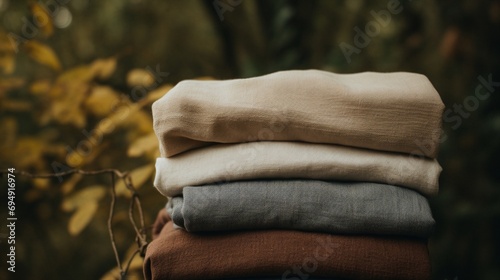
[177,254]
[293,160]
[331,207]
[399,112]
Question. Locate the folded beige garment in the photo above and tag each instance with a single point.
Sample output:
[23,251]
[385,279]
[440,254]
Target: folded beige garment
[293,160]
[399,112]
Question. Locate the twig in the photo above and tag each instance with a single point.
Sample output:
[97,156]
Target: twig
[110,222]
[140,231]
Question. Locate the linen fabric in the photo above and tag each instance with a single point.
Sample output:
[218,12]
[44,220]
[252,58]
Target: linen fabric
[397,112]
[177,254]
[332,207]
[293,160]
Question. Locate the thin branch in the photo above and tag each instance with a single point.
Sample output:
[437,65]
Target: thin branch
[135,203]
[110,222]
[69,172]
[129,262]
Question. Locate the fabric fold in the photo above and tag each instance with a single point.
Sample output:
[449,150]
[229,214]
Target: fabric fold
[176,254]
[396,112]
[293,160]
[331,207]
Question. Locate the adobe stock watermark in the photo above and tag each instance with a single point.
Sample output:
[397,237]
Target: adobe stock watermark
[484,89]
[362,39]
[105,126]
[222,6]
[470,103]
[310,264]
[30,30]
[454,116]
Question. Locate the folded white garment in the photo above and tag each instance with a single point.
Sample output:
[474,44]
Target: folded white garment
[397,112]
[293,160]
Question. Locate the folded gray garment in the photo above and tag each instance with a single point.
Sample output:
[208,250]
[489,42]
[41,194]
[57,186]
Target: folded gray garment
[397,112]
[293,160]
[309,205]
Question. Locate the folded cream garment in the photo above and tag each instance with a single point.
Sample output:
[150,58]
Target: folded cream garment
[399,112]
[293,160]
[308,205]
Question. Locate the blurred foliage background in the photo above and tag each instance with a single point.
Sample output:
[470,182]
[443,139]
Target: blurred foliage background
[78,78]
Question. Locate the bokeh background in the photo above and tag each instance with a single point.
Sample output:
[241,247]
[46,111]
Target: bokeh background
[78,78]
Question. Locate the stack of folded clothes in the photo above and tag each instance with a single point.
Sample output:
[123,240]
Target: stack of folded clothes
[296,175]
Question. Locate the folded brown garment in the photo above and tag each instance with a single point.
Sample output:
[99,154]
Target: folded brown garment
[177,254]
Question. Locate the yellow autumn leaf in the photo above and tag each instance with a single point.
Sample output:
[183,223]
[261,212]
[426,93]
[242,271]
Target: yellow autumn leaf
[42,19]
[28,152]
[139,122]
[82,217]
[80,198]
[77,74]
[39,87]
[130,116]
[5,43]
[68,113]
[103,68]
[156,94]
[67,109]
[41,183]
[139,177]
[44,118]
[9,84]
[123,112]
[16,105]
[140,77]
[55,149]
[69,185]
[78,158]
[101,101]
[143,145]
[8,129]
[7,63]
[42,54]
